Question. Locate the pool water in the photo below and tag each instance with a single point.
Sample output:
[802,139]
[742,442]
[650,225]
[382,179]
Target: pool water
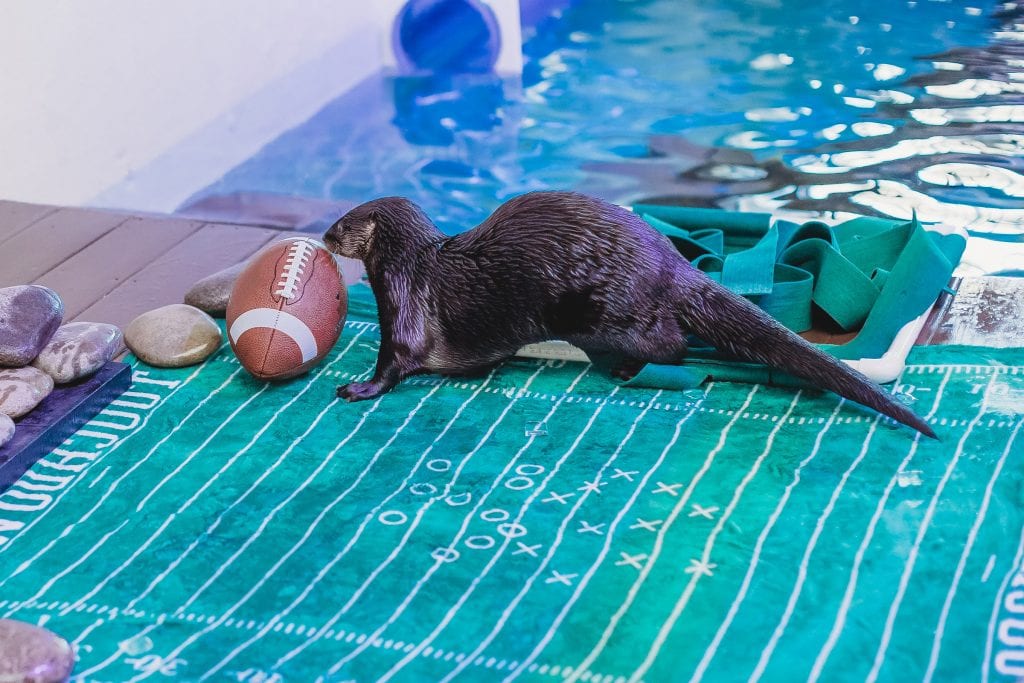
[803,109]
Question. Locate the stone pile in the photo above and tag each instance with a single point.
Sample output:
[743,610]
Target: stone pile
[37,352]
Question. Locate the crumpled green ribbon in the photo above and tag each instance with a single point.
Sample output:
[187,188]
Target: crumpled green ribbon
[871,274]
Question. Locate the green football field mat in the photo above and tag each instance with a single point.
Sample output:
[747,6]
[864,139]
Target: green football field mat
[540,523]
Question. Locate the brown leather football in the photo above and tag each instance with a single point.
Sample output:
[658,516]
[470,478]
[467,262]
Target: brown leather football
[287,308]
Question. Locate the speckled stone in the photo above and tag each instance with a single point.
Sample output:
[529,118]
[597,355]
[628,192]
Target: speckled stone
[77,350]
[21,390]
[6,431]
[211,293]
[31,654]
[29,315]
[173,336]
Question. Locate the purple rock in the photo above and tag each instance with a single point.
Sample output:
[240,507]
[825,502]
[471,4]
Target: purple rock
[31,653]
[29,315]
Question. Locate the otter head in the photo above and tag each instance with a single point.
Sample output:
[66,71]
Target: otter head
[352,235]
[389,225]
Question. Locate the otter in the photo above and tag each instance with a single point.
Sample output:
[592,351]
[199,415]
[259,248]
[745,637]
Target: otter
[559,265]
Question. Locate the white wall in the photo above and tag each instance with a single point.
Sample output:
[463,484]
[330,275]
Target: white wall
[137,104]
[94,92]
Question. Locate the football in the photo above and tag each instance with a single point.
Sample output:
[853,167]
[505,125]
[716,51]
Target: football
[286,308]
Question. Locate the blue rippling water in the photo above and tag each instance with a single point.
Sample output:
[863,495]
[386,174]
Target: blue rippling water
[803,109]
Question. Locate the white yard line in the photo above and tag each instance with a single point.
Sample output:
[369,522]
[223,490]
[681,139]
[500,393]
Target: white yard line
[805,560]
[25,530]
[712,649]
[209,482]
[309,532]
[912,557]
[252,487]
[453,611]
[659,542]
[933,659]
[269,518]
[409,596]
[851,586]
[67,570]
[170,518]
[709,545]
[426,577]
[74,565]
[519,516]
[85,633]
[237,455]
[1015,568]
[368,519]
[527,661]
[298,600]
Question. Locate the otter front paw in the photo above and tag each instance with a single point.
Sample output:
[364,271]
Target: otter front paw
[359,391]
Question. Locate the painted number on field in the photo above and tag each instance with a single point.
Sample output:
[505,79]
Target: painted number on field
[153,664]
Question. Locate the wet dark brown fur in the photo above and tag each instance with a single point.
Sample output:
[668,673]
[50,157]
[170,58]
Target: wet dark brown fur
[558,265]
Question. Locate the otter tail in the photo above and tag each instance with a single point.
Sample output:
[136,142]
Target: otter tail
[734,325]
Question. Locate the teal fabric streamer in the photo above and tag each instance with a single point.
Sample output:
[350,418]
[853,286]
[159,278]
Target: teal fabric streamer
[870,275]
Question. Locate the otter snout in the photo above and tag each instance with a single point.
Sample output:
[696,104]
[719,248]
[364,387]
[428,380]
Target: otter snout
[331,242]
[338,241]
[350,236]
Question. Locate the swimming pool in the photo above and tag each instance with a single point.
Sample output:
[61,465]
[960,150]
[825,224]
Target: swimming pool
[799,109]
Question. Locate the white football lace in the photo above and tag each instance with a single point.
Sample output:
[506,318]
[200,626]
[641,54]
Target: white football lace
[298,255]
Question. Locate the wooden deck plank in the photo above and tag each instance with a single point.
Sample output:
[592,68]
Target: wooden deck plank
[16,216]
[97,269]
[165,280]
[58,236]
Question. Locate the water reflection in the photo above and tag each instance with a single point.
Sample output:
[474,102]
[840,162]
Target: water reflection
[801,108]
[945,143]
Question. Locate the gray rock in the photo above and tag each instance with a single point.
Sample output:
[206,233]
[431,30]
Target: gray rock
[32,654]
[21,390]
[77,350]
[6,431]
[29,315]
[211,293]
[173,336]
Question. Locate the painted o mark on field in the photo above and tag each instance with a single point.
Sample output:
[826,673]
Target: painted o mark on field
[459,499]
[439,465]
[480,542]
[422,489]
[519,483]
[512,530]
[445,554]
[529,470]
[393,517]
[494,515]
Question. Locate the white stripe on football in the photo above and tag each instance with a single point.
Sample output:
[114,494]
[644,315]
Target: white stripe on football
[283,322]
